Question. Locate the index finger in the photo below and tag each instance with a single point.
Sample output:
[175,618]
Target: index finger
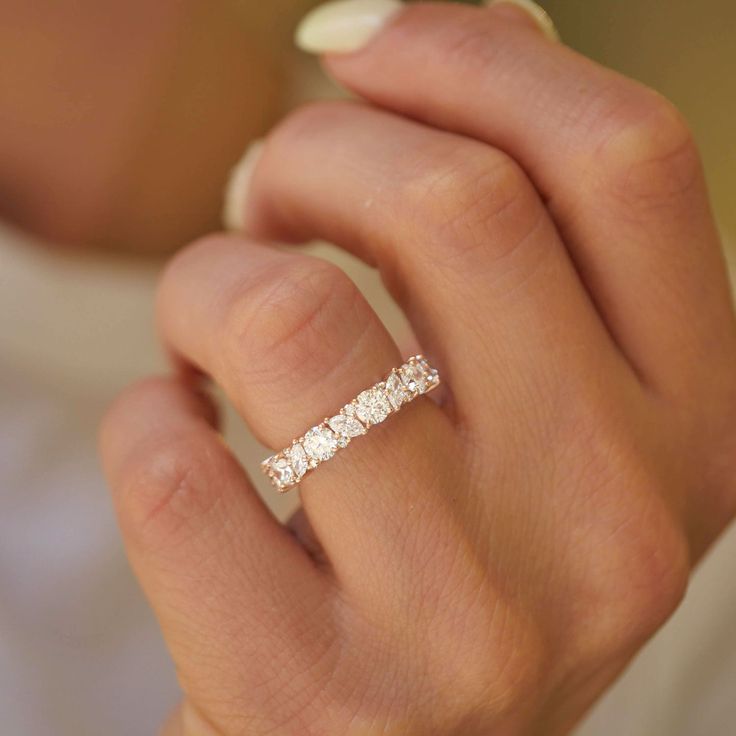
[614,161]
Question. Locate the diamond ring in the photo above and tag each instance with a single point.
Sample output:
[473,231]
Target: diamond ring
[414,378]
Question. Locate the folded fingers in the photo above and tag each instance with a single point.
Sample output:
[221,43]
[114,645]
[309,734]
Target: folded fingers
[460,236]
[614,161]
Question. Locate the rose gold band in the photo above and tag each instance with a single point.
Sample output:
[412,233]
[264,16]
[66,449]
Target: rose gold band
[404,384]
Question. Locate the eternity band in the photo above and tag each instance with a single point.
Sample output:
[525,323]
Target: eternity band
[414,378]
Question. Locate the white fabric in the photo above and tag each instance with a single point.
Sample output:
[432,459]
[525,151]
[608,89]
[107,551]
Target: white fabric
[80,653]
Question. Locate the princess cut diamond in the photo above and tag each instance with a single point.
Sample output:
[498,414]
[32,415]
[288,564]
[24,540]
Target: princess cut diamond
[413,378]
[281,471]
[432,376]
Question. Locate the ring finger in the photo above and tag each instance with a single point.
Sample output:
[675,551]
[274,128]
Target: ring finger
[291,340]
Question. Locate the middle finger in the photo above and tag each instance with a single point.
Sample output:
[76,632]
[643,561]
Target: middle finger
[461,238]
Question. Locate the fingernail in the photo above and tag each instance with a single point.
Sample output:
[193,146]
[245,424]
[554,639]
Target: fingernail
[537,12]
[343,26]
[238,185]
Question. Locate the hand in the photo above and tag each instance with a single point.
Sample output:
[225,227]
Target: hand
[488,563]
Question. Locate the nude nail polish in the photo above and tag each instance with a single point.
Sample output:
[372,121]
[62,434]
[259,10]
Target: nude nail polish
[344,26]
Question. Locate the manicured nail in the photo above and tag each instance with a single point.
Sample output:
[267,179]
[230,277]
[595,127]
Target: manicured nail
[343,26]
[537,12]
[238,185]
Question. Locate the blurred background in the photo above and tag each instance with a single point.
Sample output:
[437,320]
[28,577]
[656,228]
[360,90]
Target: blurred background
[119,123]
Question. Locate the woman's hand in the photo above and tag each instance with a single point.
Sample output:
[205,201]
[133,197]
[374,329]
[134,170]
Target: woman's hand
[488,563]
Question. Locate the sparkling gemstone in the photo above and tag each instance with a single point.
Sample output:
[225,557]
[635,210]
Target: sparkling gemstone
[395,391]
[299,460]
[413,378]
[320,443]
[431,375]
[282,471]
[346,426]
[372,406]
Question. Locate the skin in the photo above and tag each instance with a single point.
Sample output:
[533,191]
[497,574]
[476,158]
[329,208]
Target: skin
[102,113]
[487,563]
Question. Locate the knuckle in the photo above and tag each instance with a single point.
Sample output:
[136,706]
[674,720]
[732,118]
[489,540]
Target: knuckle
[164,488]
[170,281]
[473,47]
[655,590]
[311,120]
[294,313]
[477,201]
[643,569]
[209,243]
[113,422]
[653,565]
[647,156]
[638,567]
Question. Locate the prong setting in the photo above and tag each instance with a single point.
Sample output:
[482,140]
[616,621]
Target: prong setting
[414,378]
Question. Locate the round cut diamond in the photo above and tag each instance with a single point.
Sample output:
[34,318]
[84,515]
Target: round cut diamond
[372,406]
[299,460]
[405,383]
[320,443]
